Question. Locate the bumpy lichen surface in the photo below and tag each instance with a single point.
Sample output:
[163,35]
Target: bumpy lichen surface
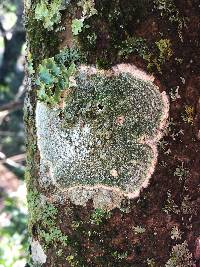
[102,138]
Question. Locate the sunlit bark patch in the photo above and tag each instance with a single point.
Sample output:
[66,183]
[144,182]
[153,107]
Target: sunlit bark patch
[103,144]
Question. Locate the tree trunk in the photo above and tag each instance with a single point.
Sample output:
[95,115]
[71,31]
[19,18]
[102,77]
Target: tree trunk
[112,120]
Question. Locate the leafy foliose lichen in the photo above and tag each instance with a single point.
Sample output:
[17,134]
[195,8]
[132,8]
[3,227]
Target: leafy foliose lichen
[48,12]
[54,76]
[88,10]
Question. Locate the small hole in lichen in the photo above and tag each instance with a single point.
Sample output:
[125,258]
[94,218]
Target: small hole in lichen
[61,115]
[100,107]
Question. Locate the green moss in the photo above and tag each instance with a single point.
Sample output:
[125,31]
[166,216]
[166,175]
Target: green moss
[98,216]
[72,260]
[168,9]
[155,55]
[161,53]
[88,10]
[165,50]
[30,67]
[103,63]
[39,212]
[119,256]
[54,235]
[110,36]
[41,43]
[136,45]
[31,147]
[42,219]
[112,23]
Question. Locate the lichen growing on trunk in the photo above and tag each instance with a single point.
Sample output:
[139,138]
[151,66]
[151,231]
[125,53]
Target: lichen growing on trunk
[84,126]
[104,140]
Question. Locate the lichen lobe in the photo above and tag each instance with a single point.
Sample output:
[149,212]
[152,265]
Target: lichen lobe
[104,146]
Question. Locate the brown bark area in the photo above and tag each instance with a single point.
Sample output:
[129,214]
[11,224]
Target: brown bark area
[171,200]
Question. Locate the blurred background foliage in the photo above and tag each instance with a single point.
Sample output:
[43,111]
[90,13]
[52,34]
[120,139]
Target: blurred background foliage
[13,233]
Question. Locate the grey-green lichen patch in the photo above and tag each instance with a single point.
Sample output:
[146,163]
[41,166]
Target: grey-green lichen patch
[102,146]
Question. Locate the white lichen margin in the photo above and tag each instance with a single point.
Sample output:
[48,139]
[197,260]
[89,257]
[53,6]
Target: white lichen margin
[37,252]
[104,197]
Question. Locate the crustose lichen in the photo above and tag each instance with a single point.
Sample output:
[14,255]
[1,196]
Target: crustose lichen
[106,137]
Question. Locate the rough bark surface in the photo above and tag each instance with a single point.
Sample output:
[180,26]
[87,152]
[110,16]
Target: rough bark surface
[158,226]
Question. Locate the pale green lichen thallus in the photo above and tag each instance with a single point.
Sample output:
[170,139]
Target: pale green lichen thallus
[100,138]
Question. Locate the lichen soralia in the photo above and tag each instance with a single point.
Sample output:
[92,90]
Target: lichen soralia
[103,147]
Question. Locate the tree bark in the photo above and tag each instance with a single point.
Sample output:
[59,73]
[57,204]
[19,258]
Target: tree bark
[112,121]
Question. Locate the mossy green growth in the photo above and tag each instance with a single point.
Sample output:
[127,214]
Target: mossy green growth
[120,256]
[88,8]
[165,50]
[136,45]
[110,36]
[162,53]
[72,260]
[30,67]
[98,216]
[42,218]
[168,9]
[54,235]
[155,55]
[40,42]
[112,23]
[48,13]
[38,211]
